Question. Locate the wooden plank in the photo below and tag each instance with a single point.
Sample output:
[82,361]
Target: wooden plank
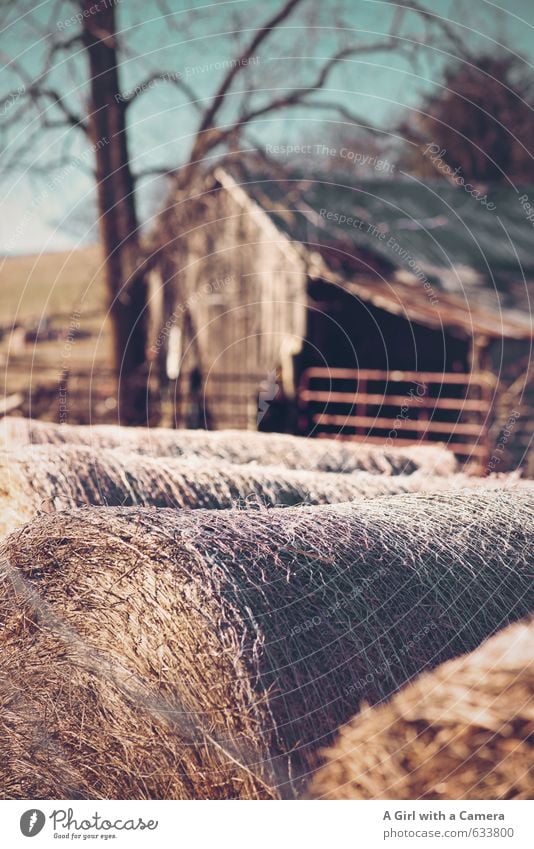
[378,423]
[75,370]
[10,403]
[237,376]
[332,374]
[385,400]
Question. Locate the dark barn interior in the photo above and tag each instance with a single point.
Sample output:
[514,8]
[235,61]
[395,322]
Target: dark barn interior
[345,332]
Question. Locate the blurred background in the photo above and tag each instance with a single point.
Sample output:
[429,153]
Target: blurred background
[310,217]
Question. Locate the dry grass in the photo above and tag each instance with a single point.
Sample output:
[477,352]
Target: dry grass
[208,654]
[44,478]
[266,449]
[464,731]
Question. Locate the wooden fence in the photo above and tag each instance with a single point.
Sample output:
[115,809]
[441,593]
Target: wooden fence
[464,411]
[400,407]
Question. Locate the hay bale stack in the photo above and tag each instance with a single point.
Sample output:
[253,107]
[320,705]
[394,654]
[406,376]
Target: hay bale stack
[265,449]
[46,478]
[208,654]
[464,731]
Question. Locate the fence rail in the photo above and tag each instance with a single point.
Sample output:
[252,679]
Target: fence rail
[400,407]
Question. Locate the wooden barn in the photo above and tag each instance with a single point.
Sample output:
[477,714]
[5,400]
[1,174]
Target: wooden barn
[385,311]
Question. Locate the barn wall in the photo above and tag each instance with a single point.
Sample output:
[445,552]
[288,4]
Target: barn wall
[236,288]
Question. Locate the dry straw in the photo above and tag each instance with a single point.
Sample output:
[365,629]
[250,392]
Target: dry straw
[208,654]
[44,478]
[266,449]
[464,731]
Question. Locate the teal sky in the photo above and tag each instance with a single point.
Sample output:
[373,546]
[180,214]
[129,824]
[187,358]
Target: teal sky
[190,38]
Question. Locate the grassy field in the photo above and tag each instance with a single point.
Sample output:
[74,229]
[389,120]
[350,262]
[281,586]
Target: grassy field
[36,285]
[68,289]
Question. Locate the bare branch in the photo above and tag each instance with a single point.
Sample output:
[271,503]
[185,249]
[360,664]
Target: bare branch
[167,14]
[155,171]
[209,137]
[242,61]
[168,77]
[436,19]
[18,69]
[58,47]
[70,117]
[343,112]
[35,89]
[295,97]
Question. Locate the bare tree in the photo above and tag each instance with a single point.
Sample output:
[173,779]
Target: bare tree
[103,121]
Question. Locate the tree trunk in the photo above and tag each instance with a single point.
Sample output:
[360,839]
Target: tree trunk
[126,286]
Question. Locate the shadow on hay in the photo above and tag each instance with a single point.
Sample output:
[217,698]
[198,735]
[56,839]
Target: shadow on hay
[245,639]
[464,731]
[239,446]
[43,478]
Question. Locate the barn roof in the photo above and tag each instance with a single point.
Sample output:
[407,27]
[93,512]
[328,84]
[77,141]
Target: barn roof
[429,251]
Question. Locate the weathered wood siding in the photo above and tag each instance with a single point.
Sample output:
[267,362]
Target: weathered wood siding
[236,287]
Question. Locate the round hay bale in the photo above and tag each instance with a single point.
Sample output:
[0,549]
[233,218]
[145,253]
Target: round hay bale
[208,654]
[239,446]
[464,731]
[46,478]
